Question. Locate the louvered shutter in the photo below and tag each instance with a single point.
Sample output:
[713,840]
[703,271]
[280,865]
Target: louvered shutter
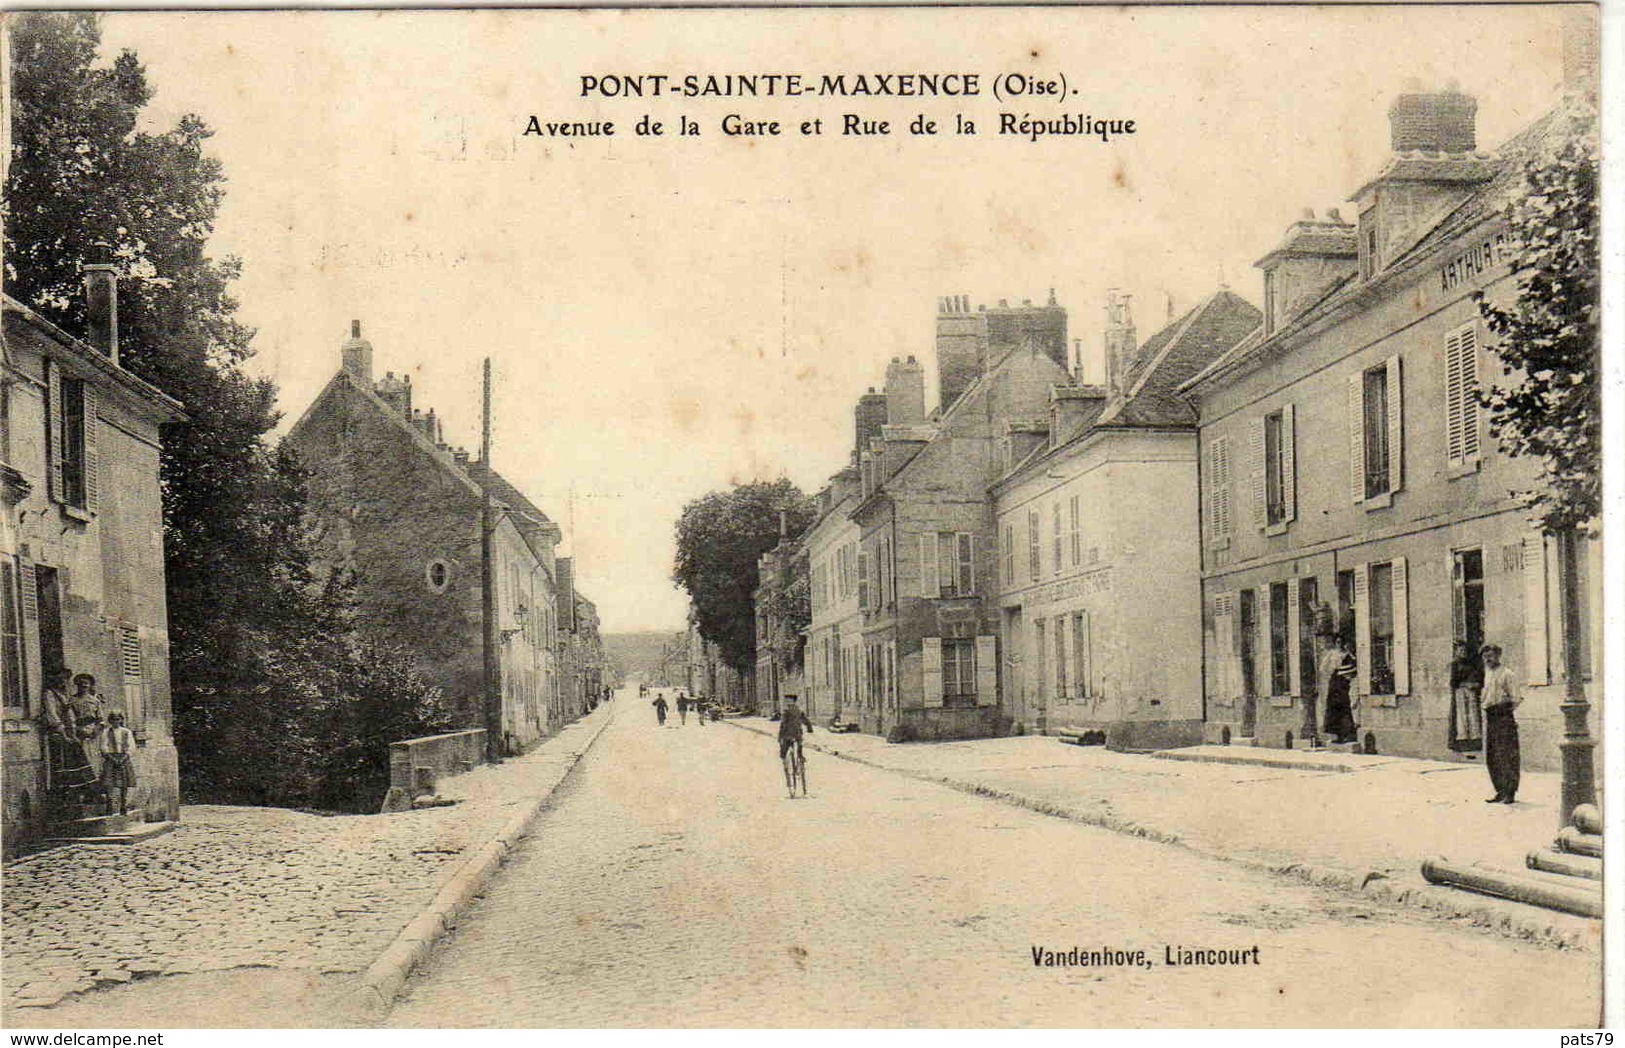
[1454,395]
[1362,627]
[93,425]
[1289,464]
[929,584]
[1083,651]
[1356,410]
[53,430]
[1224,646]
[1402,627]
[1537,665]
[1210,481]
[1469,386]
[987,671]
[1396,426]
[1264,650]
[1255,469]
[931,670]
[1294,637]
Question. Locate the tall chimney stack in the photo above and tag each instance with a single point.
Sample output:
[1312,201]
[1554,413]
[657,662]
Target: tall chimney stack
[1120,341]
[101,306]
[357,354]
[905,391]
[1434,122]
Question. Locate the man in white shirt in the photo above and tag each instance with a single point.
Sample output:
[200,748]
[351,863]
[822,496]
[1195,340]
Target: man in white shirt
[1500,698]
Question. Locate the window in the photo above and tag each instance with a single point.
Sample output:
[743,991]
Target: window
[959,671]
[1218,491]
[11,645]
[863,578]
[1080,654]
[1280,648]
[1368,243]
[1076,532]
[70,421]
[1467,597]
[1055,542]
[1382,629]
[1375,431]
[437,573]
[948,565]
[1009,554]
[1275,471]
[1461,395]
[1061,692]
[1308,603]
[1034,567]
[967,563]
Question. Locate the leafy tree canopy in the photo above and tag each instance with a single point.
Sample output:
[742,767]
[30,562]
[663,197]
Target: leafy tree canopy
[720,538]
[1550,407]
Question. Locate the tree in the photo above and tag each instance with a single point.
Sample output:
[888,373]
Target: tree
[1550,408]
[720,538]
[257,643]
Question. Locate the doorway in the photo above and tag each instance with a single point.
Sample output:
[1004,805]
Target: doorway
[1249,669]
[52,658]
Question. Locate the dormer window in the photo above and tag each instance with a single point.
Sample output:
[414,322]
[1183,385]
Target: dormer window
[1368,243]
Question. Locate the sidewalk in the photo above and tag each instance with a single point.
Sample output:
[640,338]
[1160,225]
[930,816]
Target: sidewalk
[1358,823]
[249,917]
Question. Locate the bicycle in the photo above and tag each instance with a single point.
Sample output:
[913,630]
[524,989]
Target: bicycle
[795,769]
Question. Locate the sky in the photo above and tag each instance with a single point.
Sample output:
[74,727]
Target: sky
[668,316]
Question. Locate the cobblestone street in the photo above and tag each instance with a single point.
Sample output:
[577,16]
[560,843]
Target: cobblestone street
[673,884]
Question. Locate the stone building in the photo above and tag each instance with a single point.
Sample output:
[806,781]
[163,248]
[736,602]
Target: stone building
[780,636]
[1098,554]
[835,627]
[928,666]
[82,560]
[401,509]
[1347,466]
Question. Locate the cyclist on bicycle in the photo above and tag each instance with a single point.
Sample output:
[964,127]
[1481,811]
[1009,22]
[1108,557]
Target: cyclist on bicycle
[791,723]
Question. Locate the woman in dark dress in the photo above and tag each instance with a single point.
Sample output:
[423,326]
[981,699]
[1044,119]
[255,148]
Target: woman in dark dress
[1339,706]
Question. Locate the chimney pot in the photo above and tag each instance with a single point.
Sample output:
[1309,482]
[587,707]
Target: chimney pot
[101,307]
[1335,215]
[1004,303]
[355,329]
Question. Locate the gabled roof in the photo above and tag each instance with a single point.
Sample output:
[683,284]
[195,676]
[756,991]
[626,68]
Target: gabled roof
[1483,204]
[518,505]
[1168,359]
[171,409]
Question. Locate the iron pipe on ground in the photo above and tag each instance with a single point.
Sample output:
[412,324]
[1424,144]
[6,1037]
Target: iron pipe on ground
[1584,902]
[1548,861]
[1573,841]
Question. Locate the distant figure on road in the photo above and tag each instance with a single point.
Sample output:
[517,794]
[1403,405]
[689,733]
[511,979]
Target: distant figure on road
[1501,697]
[682,708]
[660,707]
[1338,673]
[699,709]
[791,723]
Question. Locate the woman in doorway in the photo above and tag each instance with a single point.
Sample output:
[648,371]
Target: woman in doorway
[1466,685]
[1338,683]
[70,768]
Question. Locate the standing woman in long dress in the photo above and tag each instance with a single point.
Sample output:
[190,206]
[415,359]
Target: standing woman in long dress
[69,766]
[1339,684]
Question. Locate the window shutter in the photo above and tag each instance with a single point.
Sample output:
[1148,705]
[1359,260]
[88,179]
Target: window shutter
[1224,644]
[1362,627]
[1082,652]
[1357,435]
[1469,392]
[1294,638]
[1262,650]
[863,579]
[1453,396]
[891,673]
[967,564]
[931,669]
[929,585]
[92,431]
[987,671]
[1289,463]
[29,590]
[1537,665]
[1396,426]
[1402,628]
[1255,469]
[1225,483]
[53,429]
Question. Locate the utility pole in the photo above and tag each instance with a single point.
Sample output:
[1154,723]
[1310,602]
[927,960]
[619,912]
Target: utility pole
[488,588]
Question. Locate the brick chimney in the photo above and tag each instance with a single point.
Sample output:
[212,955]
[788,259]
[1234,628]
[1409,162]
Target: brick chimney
[396,392]
[357,354]
[905,391]
[1120,341]
[1433,122]
[101,308]
[868,417]
[961,348]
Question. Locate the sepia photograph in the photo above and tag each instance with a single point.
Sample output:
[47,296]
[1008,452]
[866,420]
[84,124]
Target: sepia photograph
[878,517]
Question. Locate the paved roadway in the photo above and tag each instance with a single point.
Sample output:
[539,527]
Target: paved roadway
[673,884]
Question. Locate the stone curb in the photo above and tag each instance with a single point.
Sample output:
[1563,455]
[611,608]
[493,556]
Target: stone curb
[1499,915]
[385,977]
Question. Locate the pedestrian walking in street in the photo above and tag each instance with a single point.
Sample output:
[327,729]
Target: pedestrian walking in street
[1501,697]
[682,708]
[118,768]
[699,710]
[1466,689]
[660,708]
[1338,671]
